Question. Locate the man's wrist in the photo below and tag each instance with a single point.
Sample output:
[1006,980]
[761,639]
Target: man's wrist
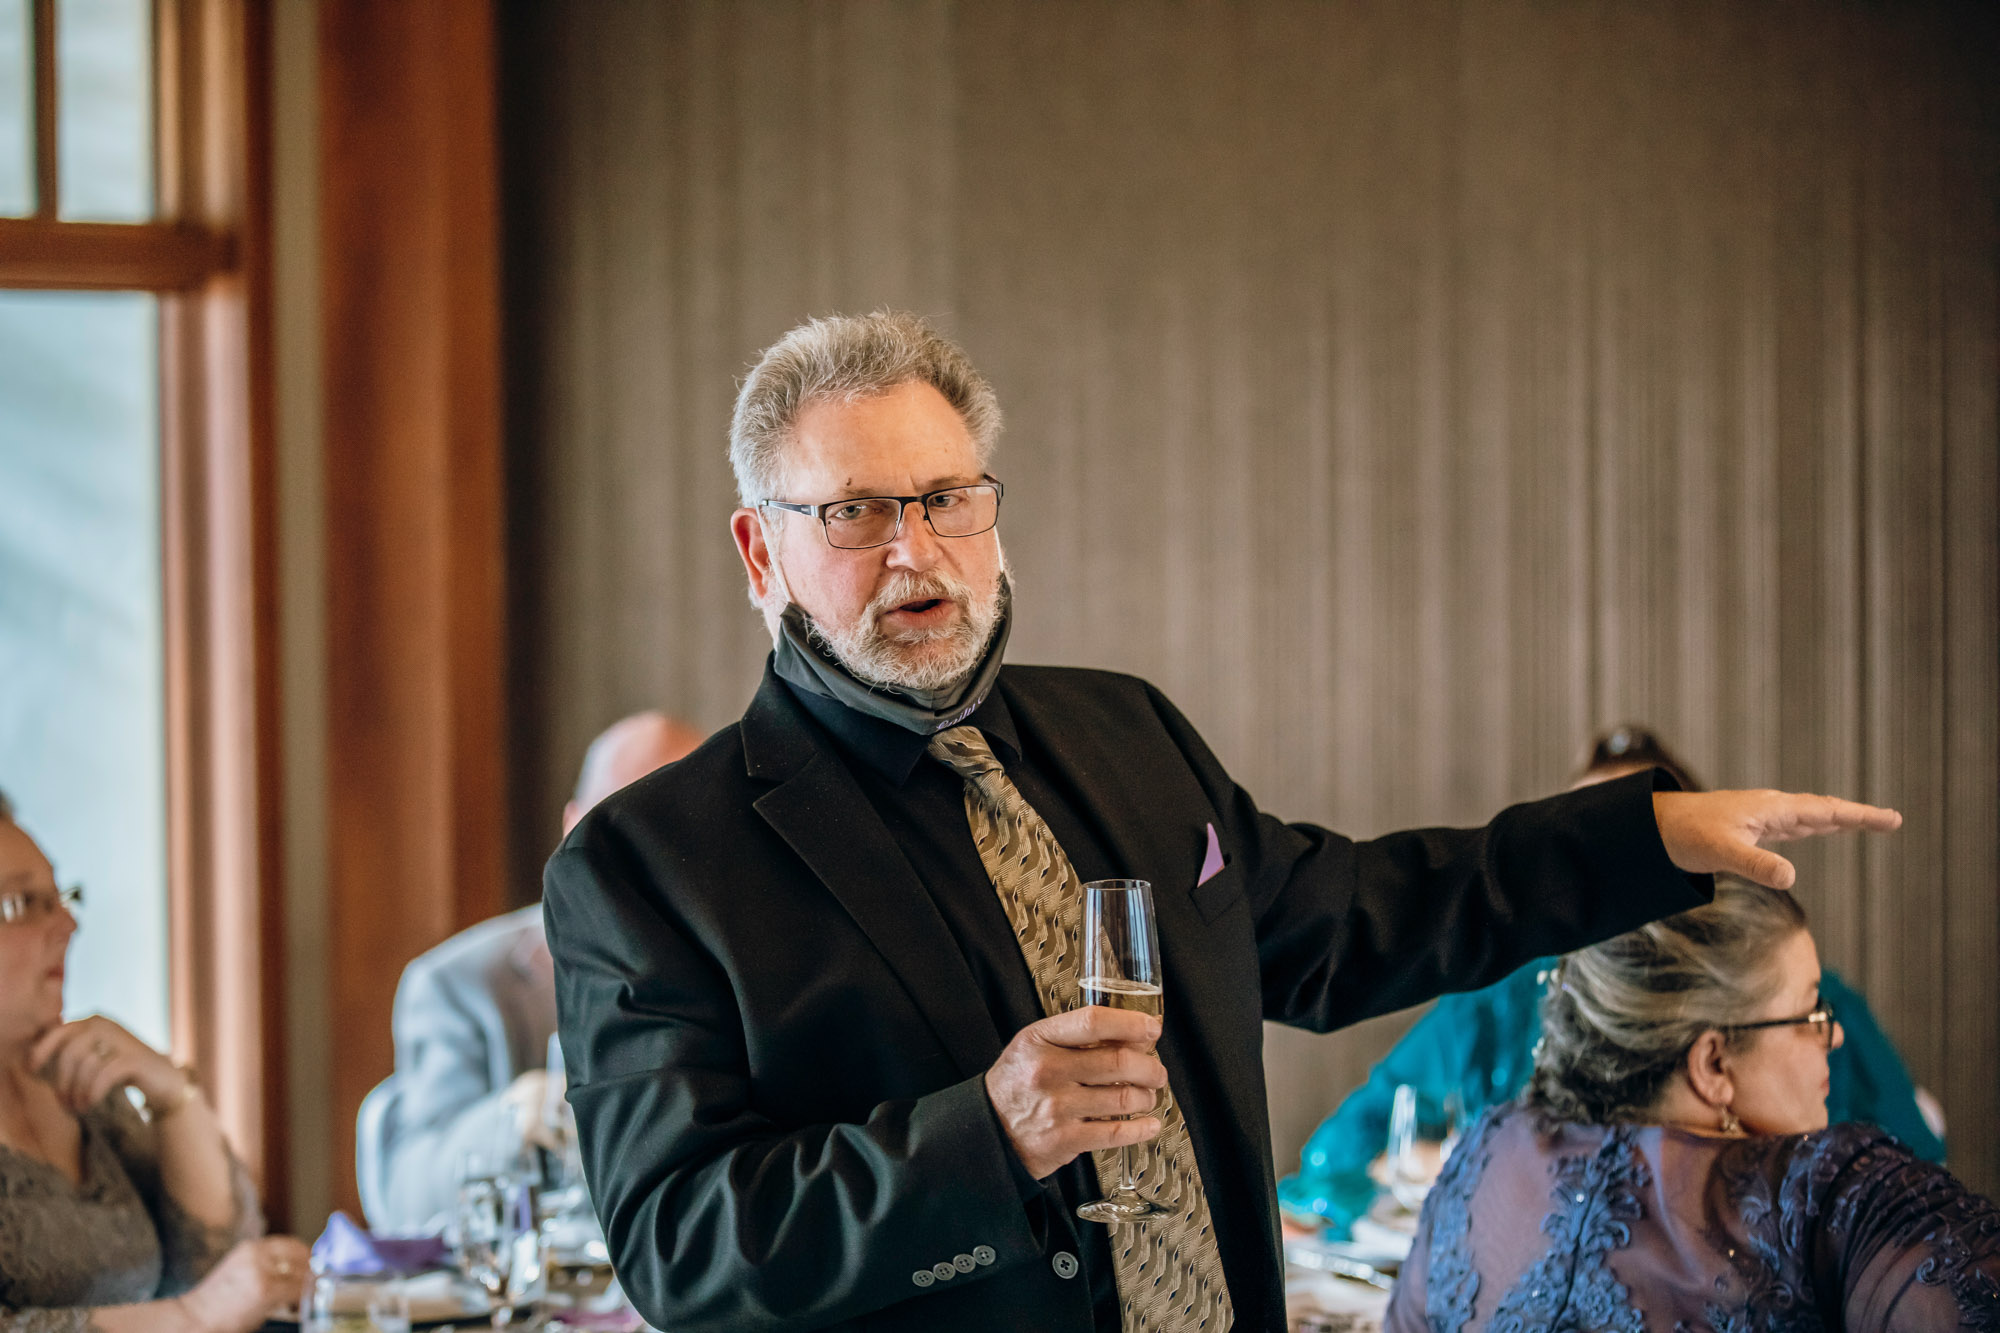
[1024,1180]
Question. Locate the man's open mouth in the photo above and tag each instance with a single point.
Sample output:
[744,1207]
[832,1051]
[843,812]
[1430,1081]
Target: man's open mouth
[921,605]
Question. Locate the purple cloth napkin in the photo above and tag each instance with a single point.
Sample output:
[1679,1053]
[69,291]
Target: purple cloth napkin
[348,1251]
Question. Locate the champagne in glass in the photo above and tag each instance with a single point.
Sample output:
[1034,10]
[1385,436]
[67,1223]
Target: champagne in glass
[1121,970]
[1119,994]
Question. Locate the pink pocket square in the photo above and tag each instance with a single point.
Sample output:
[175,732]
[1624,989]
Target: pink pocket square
[1211,865]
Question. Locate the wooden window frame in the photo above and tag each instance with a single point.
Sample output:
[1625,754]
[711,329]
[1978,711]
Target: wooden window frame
[207,257]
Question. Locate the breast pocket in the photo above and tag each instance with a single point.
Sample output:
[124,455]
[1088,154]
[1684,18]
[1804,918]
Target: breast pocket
[1218,882]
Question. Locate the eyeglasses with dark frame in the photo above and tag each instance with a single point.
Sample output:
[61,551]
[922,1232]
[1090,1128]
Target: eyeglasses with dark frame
[863,522]
[1821,1014]
[34,906]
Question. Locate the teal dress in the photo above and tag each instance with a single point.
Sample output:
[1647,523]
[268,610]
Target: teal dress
[1480,1046]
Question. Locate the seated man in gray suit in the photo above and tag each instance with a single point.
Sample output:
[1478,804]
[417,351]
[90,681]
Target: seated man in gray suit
[472,1023]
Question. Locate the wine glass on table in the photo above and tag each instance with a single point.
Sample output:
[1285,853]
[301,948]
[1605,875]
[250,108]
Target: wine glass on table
[493,1218]
[1422,1134]
[334,1303]
[1121,970]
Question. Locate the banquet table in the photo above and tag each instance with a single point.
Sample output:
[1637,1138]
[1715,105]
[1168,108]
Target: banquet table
[1345,1283]
[1315,1299]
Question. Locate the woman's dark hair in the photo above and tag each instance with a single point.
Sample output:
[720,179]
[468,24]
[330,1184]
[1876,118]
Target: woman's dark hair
[6,809]
[1629,745]
[1621,1016]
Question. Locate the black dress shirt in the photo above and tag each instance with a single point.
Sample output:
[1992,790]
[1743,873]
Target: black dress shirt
[923,803]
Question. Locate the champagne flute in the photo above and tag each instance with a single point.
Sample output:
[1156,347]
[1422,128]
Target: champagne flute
[1121,970]
[1419,1143]
[1409,1182]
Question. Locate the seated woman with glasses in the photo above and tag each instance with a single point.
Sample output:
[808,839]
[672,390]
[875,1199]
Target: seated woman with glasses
[1670,1164]
[1479,1048]
[110,1221]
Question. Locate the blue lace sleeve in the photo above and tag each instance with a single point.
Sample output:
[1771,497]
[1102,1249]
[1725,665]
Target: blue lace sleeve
[1845,1228]
[1913,1248]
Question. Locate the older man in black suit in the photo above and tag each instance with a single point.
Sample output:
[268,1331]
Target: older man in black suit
[816,981]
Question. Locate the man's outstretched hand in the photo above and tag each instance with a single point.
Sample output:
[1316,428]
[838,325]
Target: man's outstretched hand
[1717,832]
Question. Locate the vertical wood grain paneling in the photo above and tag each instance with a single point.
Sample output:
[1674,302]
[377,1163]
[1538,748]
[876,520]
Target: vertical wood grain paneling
[1903,484]
[1970,164]
[413,468]
[1816,298]
[1407,389]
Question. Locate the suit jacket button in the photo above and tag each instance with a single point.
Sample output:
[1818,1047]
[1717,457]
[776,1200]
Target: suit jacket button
[964,1263]
[922,1277]
[945,1272]
[983,1255]
[1064,1263]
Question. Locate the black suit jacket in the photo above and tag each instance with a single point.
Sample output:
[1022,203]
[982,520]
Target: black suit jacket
[776,1050]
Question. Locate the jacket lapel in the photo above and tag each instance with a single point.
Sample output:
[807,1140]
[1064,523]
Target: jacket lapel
[822,814]
[1146,805]
[1152,818]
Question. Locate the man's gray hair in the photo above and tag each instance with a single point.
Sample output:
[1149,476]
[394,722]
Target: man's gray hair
[847,357]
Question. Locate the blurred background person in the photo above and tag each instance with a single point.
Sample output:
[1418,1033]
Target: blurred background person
[110,1220]
[1476,1049]
[1677,1118]
[473,1018]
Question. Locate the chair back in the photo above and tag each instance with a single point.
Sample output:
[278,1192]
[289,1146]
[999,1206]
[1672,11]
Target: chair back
[371,1134]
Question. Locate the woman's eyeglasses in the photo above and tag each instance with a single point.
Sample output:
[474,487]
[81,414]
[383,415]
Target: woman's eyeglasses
[1821,1015]
[31,907]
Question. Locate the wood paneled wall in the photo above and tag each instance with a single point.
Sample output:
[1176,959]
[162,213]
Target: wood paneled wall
[409,387]
[1407,388]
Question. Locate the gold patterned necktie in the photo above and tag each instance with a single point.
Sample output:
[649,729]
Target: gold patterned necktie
[1169,1271]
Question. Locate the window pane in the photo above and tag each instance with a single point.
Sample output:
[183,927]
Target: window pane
[82,738]
[104,84]
[17,111]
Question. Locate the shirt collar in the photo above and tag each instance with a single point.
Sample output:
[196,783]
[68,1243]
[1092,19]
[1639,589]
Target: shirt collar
[893,751]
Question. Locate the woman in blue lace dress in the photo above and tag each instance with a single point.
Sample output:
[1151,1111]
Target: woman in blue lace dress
[1479,1046]
[1670,1166]
[110,1221]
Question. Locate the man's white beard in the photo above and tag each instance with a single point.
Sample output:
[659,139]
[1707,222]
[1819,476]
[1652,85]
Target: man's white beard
[929,660]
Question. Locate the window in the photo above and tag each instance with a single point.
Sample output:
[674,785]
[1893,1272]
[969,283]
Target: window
[82,718]
[136,652]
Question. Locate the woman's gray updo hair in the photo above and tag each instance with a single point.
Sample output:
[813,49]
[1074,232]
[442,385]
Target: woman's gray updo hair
[847,356]
[1620,1017]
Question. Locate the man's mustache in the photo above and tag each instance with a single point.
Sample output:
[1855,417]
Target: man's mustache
[902,589]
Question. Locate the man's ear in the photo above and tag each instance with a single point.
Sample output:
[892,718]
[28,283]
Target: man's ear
[747,527]
[1708,1070]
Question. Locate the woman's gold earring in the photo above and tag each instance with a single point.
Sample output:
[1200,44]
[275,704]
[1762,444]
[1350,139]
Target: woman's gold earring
[1730,1124]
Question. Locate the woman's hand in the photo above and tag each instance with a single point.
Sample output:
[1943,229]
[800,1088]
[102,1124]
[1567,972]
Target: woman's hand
[86,1061]
[254,1281]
